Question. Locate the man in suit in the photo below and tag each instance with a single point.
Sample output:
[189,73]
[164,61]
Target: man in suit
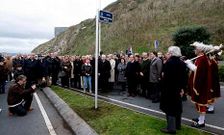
[156,66]
[132,72]
[104,73]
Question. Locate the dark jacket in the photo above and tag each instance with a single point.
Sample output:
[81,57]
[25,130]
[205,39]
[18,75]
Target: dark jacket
[215,80]
[66,67]
[132,70]
[31,69]
[18,73]
[56,64]
[145,66]
[104,69]
[17,93]
[174,80]
[121,68]
[87,70]
[3,73]
[77,67]
[42,68]
[17,62]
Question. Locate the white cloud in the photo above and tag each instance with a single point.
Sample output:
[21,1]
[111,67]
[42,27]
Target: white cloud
[18,45]
[30,22]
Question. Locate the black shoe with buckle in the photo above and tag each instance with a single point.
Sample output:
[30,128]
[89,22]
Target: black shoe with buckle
[197,125]
[165,130]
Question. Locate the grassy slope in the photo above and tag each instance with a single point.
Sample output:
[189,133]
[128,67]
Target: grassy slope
[113,120]
[139,22]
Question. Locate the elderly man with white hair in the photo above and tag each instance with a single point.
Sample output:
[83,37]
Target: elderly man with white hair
[174,81]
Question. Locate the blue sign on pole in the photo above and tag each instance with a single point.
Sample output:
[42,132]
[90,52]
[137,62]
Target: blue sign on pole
[156,44]
[105,17]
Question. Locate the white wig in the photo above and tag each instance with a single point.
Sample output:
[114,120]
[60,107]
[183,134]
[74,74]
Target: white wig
[174,51]
[202,47]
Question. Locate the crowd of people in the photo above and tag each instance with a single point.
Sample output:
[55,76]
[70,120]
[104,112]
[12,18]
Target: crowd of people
[164,78]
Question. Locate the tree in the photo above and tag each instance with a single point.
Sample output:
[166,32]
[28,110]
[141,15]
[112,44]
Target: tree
[187,35]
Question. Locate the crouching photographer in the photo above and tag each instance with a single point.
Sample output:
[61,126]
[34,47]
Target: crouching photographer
[20,99]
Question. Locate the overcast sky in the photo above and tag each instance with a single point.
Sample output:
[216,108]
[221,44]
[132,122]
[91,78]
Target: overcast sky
[24,24]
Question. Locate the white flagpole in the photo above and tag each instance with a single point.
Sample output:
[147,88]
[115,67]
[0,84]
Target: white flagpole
[99,28]
[96,53]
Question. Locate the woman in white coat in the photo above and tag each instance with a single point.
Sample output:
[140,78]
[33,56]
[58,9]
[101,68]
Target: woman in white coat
[112,71]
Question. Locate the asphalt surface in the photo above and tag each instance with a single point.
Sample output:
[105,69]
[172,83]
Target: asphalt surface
[33,123]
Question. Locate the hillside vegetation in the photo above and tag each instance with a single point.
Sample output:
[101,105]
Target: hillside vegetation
[138,23]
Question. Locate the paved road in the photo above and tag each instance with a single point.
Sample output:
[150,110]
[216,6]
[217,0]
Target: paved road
[33,123]
[189,110]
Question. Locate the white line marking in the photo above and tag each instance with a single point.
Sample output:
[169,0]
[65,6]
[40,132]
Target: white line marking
[44,114]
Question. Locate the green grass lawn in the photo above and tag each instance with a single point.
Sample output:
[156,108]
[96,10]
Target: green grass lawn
[113,120]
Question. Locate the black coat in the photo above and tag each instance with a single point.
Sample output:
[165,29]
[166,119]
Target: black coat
[145,67]
[56,65]
[174,79]
[31,69]
[18,73]
[132,70]
[66,67]
[42,68]
[104,69]
[3,73]
[77,67]
[18,62]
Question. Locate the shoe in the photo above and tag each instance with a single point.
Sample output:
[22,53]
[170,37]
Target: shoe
[165,130]
[195,120]
[196,125]
[210,112]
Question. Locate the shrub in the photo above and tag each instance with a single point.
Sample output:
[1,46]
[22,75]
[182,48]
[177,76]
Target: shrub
[187,35]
